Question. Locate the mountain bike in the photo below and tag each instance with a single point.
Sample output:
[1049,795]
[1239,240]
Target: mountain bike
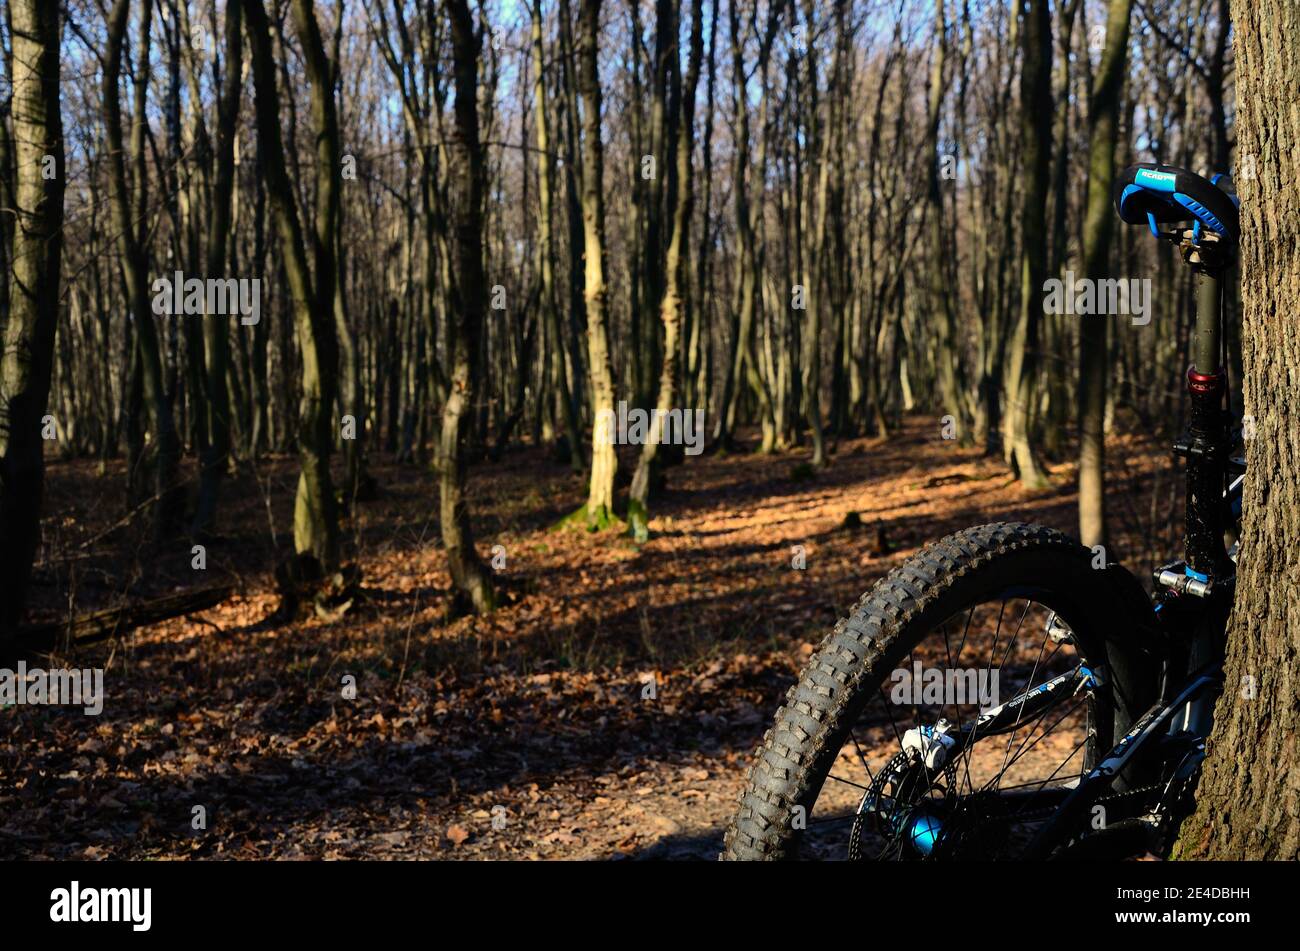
[1007,693]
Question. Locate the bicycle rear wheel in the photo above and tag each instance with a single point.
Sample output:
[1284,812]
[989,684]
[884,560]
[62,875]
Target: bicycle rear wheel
[886,747]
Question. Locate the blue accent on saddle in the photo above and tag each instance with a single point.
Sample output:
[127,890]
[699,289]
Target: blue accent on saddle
[1130,190]
[1219,176]
[1201,213]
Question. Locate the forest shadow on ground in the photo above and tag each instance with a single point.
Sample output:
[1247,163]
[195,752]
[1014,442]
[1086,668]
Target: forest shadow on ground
[607,709]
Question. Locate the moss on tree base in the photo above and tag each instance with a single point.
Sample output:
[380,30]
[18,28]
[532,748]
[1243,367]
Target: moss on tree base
[580,518]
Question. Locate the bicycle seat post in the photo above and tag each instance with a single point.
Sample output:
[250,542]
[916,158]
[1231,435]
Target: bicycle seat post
[1154,194]
[1206,258]
[1206,443]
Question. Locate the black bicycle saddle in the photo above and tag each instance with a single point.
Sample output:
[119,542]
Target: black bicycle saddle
[1151,194]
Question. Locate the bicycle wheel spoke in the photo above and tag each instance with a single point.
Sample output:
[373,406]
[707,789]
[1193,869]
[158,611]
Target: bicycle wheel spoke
[847,782]
[1075,752]
[1022,752]
[1016,728]
[828,820]
[861,755]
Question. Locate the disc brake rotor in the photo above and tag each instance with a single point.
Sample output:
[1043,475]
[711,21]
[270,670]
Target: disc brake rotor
[900,805]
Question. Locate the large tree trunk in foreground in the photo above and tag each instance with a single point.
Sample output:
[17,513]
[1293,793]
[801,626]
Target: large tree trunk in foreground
[29,328]
[1103,122]
[1246,802]
[469,304]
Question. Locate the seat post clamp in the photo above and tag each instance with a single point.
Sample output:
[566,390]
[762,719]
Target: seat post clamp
[1207,384]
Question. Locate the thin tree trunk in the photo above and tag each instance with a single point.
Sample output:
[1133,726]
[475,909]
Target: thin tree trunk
[469,307]
[604,463]
[581,380]
[1055,417]
[7,187]
[948,356]
[743,363]
[216,330]
[315,521]
[678,284]
[129,224]
[1103,124]
[1035,152]
[546,247]
[697,377]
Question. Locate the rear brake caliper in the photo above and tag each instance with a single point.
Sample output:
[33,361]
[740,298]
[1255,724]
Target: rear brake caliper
[900,798]
[932,746]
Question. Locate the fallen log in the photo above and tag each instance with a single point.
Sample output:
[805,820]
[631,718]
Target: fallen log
[111,622]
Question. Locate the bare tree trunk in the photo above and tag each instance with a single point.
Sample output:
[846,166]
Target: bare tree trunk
[743,361]
[546,247]
[469,305]
[639,202]
[948,356]
[1103,123]
[29,331]
[259,436]
[315,520]
[697,375]
[826,251]
[1055,425]
[581,382]
[677,288]
[1246,796]
[216,329]
[129,224]
[604,463]
[358,484]
[7,184]
[1035,152]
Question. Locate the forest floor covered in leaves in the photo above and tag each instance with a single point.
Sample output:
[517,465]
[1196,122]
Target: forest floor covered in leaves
[529,733]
